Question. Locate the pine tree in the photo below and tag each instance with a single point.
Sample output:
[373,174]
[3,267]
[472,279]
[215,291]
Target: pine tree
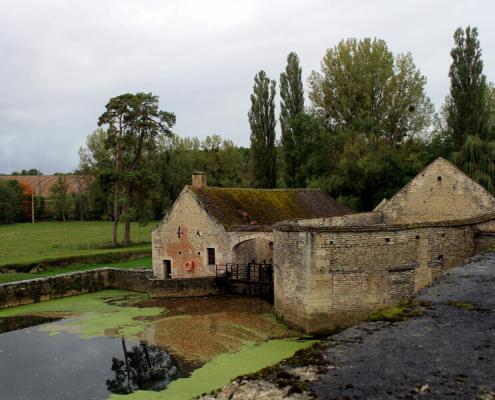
[262,122]
[291,104]
[467,108]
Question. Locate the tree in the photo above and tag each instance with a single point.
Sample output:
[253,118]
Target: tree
[27,201]
[314,154]
[147,124]
[116,118]
[362,87]
[368,171]
[476,158]
[467,105]
[291,104]
[134,122]
[59,196]
[262,122]
[31,171]
[10,201]
[143,367]
[96,161]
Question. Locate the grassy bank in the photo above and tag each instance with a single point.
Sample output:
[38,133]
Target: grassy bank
[27,243]
[50,271]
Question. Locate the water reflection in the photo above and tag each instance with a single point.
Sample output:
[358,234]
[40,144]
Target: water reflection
[143,367]
[37,366]
[53,362]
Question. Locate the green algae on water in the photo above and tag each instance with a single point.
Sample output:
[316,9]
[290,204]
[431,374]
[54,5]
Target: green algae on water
[105,313]
[222,369]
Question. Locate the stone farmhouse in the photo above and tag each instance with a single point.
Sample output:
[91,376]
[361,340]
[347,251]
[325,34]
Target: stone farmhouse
[331,271]
[331,266]
[209,226]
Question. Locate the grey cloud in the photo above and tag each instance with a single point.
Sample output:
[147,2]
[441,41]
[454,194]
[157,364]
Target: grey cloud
[62,60]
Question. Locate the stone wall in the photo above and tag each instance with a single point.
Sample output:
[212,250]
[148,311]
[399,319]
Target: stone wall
[54,287]
[135,280]
[189,287]
[336,276]
[441,192]
[338,270]
[75,283]
[258,250]
[485,236]
[198,231]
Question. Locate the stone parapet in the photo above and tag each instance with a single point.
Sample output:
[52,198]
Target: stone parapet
[75,283]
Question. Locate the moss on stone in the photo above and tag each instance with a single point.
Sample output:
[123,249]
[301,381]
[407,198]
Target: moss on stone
[313,355]
[234,207]
[463,305]
[404,310]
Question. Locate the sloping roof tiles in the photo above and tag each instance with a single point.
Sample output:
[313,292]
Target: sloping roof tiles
[244,208]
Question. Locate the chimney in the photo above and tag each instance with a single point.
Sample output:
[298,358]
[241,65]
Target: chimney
[199,180]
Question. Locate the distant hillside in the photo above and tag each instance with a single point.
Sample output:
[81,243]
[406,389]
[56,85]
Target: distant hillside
[41,184]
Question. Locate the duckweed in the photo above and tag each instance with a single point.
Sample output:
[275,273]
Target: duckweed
[222,369]
[106,313]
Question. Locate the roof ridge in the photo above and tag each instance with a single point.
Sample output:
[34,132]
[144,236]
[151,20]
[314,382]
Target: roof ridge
[261,189]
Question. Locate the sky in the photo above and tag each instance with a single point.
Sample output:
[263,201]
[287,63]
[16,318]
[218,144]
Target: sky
[62,60]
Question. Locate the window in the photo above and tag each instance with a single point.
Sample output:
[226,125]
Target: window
[211,256]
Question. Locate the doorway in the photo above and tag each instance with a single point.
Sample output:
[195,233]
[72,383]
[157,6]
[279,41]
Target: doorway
[167,265]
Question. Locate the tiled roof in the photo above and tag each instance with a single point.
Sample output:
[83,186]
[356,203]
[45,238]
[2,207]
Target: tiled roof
[253,208]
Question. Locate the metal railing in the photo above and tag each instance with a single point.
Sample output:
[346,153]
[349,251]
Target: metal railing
[251,272]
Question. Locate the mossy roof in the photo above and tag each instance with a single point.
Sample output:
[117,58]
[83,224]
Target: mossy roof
[255,209]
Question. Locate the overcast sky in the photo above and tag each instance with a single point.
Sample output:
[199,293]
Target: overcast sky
[60,61]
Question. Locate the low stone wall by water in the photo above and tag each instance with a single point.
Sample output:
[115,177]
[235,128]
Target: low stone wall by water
[54,287]
[71,284]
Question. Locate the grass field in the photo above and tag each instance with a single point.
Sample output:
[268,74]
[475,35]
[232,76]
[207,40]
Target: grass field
[28,243]
[50,271]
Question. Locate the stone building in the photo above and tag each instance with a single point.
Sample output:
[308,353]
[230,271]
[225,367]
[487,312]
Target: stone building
[209,226]
[335,271]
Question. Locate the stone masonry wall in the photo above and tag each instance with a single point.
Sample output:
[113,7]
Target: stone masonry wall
[54,287]
[328,278]
[198,231]
[188,287]
[257,250]
[485,236]
[440,192]
[75,283]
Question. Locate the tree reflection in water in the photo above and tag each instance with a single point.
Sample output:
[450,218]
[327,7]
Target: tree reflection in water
[143,368]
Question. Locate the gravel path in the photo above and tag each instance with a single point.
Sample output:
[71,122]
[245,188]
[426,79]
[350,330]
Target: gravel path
[446,353]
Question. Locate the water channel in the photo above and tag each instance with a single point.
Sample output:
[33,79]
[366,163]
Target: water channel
[123,345]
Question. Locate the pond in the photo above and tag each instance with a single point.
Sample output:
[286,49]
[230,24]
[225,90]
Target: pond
[123,345]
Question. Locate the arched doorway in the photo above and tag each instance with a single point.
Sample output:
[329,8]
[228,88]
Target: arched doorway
[253,251]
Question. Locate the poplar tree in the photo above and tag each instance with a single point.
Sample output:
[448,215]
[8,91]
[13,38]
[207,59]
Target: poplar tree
[363,87]
[466,107]
[262,122]
[291,104]
[59,192]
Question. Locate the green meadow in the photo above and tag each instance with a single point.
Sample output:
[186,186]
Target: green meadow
[50,271]
[32,243]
